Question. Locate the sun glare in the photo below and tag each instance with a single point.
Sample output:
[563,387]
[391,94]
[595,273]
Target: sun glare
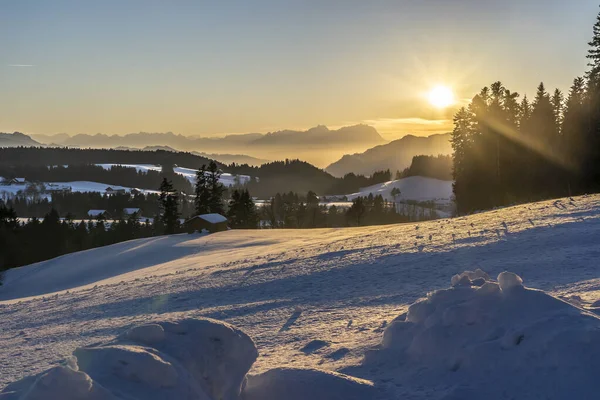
[441,97]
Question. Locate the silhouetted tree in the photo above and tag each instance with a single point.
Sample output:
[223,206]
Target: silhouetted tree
[169,203]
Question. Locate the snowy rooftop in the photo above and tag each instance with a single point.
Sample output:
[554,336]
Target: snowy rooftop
[95,213]
[130,211]
[212,218]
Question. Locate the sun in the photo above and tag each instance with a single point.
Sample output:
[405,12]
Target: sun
[441,97]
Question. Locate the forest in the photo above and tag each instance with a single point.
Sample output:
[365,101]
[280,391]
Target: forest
[510,150]
[274,177]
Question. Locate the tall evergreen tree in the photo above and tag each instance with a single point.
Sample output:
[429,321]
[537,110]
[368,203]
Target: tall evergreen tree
[593,55]
[557,102]
[202,191]
[591,165]
[242,211]
[574,125]
[169,205]
[216,189]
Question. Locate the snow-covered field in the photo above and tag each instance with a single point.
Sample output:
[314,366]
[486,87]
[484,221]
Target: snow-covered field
[226,179]
[412,188]
[76,186]
[328,299]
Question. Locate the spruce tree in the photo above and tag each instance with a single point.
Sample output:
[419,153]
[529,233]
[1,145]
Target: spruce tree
[574,125]
[591,164]
[202,192]
[169,203]
[216,189]
[593,55]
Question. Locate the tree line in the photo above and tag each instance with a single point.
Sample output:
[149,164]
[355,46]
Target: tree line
[115,175]
[437,167]
[509,150]
[293,211]
[49,237]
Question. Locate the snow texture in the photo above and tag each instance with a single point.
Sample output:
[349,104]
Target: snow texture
[493,342]
[306,384]
[198,359]
[349,288]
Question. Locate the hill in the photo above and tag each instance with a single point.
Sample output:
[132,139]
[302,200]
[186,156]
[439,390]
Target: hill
[16,139]
[322,299]
[395,156]
[412,188]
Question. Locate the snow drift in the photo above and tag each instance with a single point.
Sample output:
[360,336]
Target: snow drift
[196,359]
[483,339]
[478,339]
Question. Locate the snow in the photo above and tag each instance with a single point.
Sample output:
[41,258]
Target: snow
[303,384]
[88,186]
[192,359]
[76,186]
[226,179]
[412,188]
[472,342]
[213,218]
[370,305]
[96,213]
[131,211]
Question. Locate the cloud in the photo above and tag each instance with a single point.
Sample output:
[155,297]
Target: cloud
[21,65]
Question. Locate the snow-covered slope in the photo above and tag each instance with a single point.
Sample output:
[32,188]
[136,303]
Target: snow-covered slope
[226,179]
[76,186]
[323,298]
[412,188]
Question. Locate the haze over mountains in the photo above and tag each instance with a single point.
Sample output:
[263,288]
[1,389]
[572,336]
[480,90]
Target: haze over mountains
[395,155]
[16,139]
[319,145]
[358,149]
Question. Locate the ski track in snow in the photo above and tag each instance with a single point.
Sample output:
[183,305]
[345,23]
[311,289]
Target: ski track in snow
[286,288]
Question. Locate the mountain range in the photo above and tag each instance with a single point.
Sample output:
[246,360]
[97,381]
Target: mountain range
[16,139]
[358,149]
[395,155]
[319,145]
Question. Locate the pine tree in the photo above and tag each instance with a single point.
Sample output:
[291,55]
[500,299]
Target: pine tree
[574,125]
[462,144]
[593,55]
[242,211]
[202,192]
[357,210]
[169,204]
[591,163]
[235,212]
[557,102]
[524,114]
[216,189]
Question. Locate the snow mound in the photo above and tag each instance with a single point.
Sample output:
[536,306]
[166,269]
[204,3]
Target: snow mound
[468,277]
[492,341]
[198,359]
[306,384]
[63,382]
[509,280]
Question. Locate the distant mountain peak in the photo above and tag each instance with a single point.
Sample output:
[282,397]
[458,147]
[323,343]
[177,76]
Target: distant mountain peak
[16,139]
[396,155]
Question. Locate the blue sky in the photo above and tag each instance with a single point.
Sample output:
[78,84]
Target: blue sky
[214,67]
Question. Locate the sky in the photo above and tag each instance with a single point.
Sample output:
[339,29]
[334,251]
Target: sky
[235,66]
